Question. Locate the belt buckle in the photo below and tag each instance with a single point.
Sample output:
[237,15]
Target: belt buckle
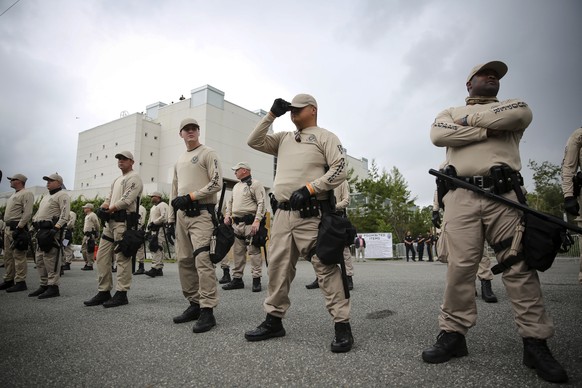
[478,181]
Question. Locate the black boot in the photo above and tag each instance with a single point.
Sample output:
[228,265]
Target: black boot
[39,290]
[152,272]
[350,283]
[537,355]
[67,266]
[487,293]
[448,345]
[343,340]
[312,285]
[270,328]
[205,322]
[100,298]
[113,269]
[192,313]
[51,292]
[140,270]
[18,286]
[236,283]
[88,268]
[256,284]
[225,277]
[119,299]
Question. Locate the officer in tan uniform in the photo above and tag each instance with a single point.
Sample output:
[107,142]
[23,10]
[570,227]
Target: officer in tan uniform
[310,163]
[195,187]
[140,255]
[244,211]
[49,222]
[571,172]
[158,218]
[68,248]
[17,215]
[483,141]
[342,197]
[119,211]
[91,229]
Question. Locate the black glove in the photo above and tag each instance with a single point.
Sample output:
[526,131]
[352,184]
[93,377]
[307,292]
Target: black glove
[280,107]
[436,218]
[102,214]
[299,197]
[171,233]
[571,206]
[274,202]
[182,202]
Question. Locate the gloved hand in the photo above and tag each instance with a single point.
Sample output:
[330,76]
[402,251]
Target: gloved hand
[280,107]
[299,197]
[102,214]
[151,225]
[436,218]
[571,206]
[171,232]
[182,202]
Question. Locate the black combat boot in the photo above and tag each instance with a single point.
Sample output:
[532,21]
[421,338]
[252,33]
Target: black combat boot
[192,313]
[205,322]
[312,285]
[448,345]
[39,290]
[537,355]
[67,266]
[119,299]
[152,272]
[113,269]
[343,340]
[88,268]
[18,286]
[140,270]
[100,298]
[236,283]
[6,285]
[225,277]
[350,283]
[257,284]
[487,292]
[270,328]
[51,292]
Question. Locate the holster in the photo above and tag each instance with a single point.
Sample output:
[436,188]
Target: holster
[132,220]
[119,216]
[193,210]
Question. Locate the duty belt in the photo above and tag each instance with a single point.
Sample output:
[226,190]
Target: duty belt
[487,182]
[247,219]
[284,206]
[12,224]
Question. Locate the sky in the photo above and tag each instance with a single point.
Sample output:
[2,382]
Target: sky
[381,70]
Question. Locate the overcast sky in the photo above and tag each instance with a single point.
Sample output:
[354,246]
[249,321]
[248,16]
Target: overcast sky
[381,70]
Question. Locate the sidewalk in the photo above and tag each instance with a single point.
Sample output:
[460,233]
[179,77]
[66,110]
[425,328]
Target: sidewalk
[61,343]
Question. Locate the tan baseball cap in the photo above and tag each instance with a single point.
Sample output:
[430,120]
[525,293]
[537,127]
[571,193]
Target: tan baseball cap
[53,177]
[302,100]
[88,206]
[188,121]
[18,177]
[155,194]
[499,67]
[241,165]
[125,154]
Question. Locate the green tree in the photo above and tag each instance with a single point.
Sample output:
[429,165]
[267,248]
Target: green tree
[547,195]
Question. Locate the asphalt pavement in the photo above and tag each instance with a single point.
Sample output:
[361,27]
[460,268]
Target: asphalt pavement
[61,343]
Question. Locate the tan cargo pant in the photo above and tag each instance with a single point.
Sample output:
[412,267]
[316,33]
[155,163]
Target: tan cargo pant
[48,265]
[469,219]
[197,274]
[580,244]
[106,255]
[87,256]
[159,255]
[292,237]
[484,272]
[14,260]
[349,262]
[240,250]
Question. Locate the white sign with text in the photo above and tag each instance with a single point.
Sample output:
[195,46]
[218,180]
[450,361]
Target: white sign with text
[378,245]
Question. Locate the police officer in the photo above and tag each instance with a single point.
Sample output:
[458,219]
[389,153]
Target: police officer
[158,218]
[49,222]
[195,186]
[483,141]
[119,210]
[17,215]
[140,255]
[91,229]
[68,248]
[244,211]
[409,245]
[310,163]
[430,239]
[420,246]
[572,181]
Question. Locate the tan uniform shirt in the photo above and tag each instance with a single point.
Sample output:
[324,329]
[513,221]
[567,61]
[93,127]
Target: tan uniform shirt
[54,205]
[470,151]
[19,207]
[159,213]
[247,199]
[342,195]
[571,162]
[72,220]
[318,148]
[125,191]
[142,216]
[91,223]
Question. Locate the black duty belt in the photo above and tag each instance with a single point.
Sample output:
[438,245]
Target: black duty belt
[486,182]
[247,219]
[284,206]
[12,224]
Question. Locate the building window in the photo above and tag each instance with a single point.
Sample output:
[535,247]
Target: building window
[94,176]
[90,154]
[146,134]
[85,160]
[140,163]
[103,146]
[97,158]
[152,179]
[106,156]
[151,154]
[101,174]
[155,138]
[81,184]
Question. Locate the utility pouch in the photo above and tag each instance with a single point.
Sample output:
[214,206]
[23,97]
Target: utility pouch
[221,242]
[132,220]
[310,208]
[193,209]
[91,245]
[20,239]
[334,234]
[118,216]
[450,171]
[501,179]
[153,245]
[45,238]
[130,243]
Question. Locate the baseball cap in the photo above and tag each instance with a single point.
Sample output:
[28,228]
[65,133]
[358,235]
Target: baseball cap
[155,194]
[302,100]
[19,177]
[88,206]
[125,154]
[241,165]
[53,177]
[498,66]
[188,121]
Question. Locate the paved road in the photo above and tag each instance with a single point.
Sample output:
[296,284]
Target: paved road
[61,343]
